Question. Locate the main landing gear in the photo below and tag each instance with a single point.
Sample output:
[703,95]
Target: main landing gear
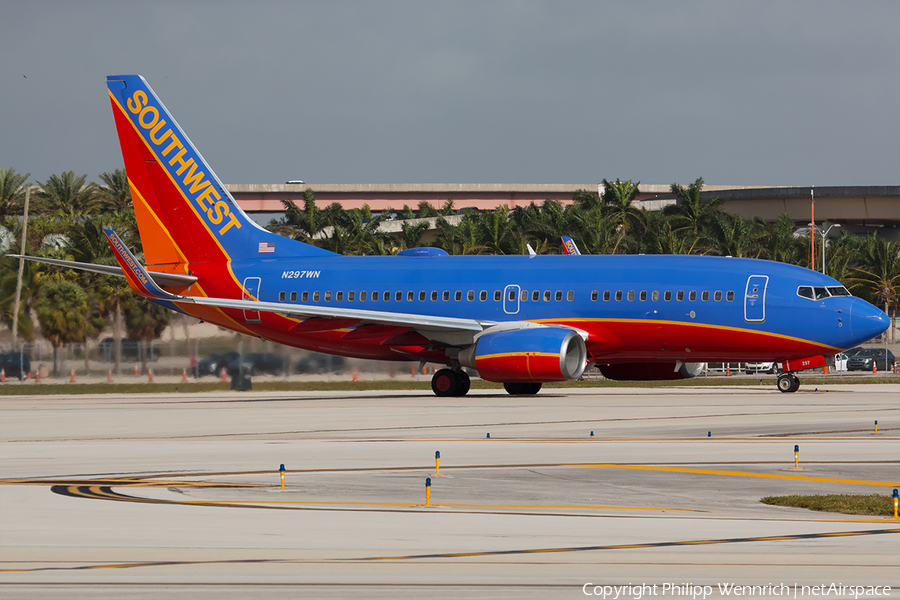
[788,382]
[448,382]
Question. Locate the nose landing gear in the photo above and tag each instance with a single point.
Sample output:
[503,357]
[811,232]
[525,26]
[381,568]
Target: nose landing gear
[788,382]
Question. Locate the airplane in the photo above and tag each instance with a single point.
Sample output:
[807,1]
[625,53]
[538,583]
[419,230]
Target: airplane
[518,320]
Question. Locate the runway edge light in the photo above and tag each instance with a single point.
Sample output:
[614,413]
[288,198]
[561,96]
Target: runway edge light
[281,470]
[428,491]
[896,498]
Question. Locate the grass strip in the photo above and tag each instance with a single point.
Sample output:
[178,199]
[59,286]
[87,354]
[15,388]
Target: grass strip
[849,504]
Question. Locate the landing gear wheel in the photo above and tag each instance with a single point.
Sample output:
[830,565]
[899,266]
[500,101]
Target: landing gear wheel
[522,388]
[788,382]
[445,383]
[464,383]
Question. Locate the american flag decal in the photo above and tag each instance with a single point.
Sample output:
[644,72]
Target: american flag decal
[266,247]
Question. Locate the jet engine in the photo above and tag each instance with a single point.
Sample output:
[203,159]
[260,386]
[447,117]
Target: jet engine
[537,354]
[651,370]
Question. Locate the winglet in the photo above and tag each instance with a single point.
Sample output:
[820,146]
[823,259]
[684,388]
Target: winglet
[138,278]
[569,246]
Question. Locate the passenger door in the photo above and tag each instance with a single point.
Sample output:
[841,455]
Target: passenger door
[755,299]
[251,292]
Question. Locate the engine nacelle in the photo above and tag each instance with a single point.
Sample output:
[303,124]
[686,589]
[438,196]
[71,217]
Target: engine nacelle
[651,371]
[538,354]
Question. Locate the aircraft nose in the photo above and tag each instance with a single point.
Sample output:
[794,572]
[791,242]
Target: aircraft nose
[867,321]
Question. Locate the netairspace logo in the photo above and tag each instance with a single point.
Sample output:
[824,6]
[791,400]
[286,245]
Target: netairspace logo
[700,592]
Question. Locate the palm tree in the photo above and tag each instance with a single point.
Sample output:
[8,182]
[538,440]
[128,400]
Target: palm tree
[116,196]
[12,191]
[728,235]
[62,311]
[618,200]
[309,221]
[67,194]
[144,321]
[690,212]
[411,235]
[425,209]
[879,274]
[496,234]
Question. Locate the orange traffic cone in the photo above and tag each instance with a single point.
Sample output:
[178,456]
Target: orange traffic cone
[224,374]
[109,376]
[727,370]
[874,368]
[355,375]
[2,375]
[136,371]
[149,375]
[826,369]
[184,376]
[72,376]
[37,377]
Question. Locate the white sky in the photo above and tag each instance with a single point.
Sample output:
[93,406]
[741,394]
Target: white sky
[739,92]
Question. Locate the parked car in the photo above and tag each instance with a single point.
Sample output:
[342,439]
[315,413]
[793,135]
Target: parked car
[853,351]
[320,363]
[131,350]
[840,362]
[762,367]
[15,364]
[252,363]
[864,360]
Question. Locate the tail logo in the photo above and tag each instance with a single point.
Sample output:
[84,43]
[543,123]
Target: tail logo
[180,160]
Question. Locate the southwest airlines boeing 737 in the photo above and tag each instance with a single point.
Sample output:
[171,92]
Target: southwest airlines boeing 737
[518,320]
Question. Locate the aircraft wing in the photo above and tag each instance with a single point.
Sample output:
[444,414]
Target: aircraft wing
[145,285]
[165,279]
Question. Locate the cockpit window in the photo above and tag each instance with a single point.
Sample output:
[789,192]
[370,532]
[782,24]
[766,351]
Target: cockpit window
[805,292]
[839,291]
[821,293]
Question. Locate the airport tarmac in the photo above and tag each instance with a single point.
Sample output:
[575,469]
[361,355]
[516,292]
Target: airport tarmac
[179,495]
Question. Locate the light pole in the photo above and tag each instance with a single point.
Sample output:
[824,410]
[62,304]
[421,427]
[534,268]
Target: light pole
[824,235]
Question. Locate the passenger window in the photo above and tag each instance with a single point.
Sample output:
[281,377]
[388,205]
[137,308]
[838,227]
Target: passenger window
[315,296]
[483,295]
[655,296]
[546,295]
[570,295]
[457,296]
[594,296]
[386,296]
[470,295]
[340,296]
[351,296]
[679,296]
[729,296]
[374,296]
[422,296]
[327,296]
[410,296]
[718,296]
[618,295]
[512,294]
[362,296]
[692,296]
[281,296]
[630,295]
[704,296]
[497,295]
[606,296]
[304,296]
[524,296]
[643,296]
[667,296]
[558,295]
[293,296]
[398,296]
[535,295]
[434,296]
[445,295]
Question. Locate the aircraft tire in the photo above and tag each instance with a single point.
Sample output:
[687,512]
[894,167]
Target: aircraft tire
[788,382]
[445,383]
[464,383]
[522,388]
